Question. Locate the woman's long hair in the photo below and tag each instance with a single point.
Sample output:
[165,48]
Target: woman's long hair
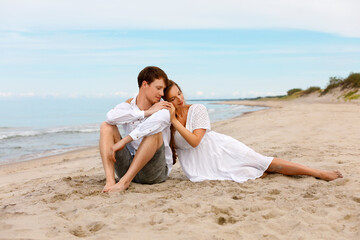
[172,129]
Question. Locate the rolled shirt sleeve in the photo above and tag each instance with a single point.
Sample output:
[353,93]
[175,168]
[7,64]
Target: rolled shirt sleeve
[154,124]
[123,113]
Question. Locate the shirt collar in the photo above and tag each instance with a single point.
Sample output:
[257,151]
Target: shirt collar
[133,101]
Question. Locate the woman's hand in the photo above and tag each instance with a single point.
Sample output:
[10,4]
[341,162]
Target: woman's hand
[156,107]
[172,113]
[129,100]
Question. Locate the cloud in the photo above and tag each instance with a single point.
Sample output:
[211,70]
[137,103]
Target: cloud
[121,94]
[6,94]
[333,16]
[11,94]
[28,94]
[199,93]
[236,94]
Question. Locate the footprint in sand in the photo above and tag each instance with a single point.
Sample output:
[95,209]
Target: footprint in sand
[237,197]
[348,217]
[223,220]
[223,215]
[169,210]
[78,231]
[4,226]
[95,226]
[58,197]
[156,220]
[269,198]
[270,215]
[340,182]
[88,230]
[274,192]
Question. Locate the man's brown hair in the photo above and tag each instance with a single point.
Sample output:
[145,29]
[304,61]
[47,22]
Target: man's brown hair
[150,73]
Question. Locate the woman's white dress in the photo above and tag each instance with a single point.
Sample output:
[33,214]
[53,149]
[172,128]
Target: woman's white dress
[217,157]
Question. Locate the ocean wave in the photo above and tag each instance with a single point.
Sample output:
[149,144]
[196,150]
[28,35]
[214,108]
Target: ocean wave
[23,133]
[18,134]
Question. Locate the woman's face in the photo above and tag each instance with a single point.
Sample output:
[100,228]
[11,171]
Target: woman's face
[176,97]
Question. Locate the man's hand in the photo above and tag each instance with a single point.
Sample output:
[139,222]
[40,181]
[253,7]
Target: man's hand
[156,107]
[118,146]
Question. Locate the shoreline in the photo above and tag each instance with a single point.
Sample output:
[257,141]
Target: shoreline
[49,159]
[60,197]
[45,155]
[255,103]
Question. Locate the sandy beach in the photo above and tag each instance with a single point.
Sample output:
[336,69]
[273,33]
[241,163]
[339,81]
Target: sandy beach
[60,197]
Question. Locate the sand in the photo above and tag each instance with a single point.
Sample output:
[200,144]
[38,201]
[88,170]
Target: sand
[60,197]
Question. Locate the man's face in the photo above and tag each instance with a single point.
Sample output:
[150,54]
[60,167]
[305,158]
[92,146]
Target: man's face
[155,90]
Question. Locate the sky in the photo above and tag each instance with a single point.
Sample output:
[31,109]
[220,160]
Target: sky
[213,49]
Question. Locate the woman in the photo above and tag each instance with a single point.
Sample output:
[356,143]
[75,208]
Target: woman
[207,155]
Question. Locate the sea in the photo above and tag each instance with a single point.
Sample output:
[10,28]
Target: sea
[34,128]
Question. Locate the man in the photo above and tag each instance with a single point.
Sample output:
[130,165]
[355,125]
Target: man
[143,155]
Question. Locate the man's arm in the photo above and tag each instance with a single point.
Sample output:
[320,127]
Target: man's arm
[153,125]
[156,123]
[123,113]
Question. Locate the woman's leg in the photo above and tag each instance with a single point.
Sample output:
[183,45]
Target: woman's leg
[290,168]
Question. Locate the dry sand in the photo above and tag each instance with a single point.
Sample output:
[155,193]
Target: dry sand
[60,197]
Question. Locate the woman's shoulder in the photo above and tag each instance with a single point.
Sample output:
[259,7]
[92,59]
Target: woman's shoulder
[198,106]
[198,111]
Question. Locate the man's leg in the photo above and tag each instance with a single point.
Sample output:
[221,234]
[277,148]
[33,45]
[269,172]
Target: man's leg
[109,135]
[145,152]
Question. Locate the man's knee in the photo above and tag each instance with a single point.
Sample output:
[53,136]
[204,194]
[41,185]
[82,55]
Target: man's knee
[105,127]
[108,132]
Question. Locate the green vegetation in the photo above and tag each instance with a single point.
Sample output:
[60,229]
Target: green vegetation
[311,90]
[352,81]
[334,82]
[351,95]
[280,98]
[292,91]
[349,85]
[269,98]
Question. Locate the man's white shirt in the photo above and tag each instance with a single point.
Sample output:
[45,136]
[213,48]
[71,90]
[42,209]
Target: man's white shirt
[138,126]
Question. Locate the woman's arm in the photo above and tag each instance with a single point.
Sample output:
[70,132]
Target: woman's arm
[193,138]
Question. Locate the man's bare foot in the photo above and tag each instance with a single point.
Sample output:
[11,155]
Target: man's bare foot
[119,187]
[330,175]
[108,185]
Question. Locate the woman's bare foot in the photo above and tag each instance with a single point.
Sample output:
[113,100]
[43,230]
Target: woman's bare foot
[264,175]
[330,175]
